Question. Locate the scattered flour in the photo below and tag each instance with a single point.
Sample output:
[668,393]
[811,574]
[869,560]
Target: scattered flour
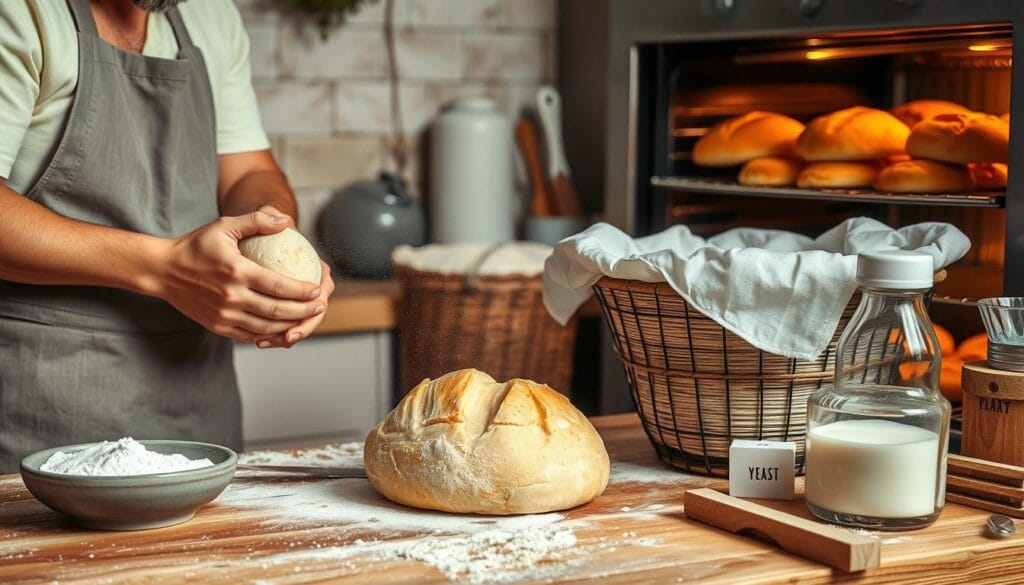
[624,472]
[122,457]
[349,502]
[465,548]
[876,535]
[491,556]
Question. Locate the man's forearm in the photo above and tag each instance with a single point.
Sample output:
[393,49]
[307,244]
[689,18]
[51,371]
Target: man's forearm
[38,246]
[257,189]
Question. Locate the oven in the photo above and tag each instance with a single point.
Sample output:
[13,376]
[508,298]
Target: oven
[660,73]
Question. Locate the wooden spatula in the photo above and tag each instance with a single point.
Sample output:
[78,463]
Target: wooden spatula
[540,198]
[549,108]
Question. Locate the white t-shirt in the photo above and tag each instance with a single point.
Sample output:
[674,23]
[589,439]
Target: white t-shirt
[39,74]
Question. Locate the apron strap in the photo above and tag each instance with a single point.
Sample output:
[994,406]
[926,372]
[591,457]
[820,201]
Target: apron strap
[84,22]
[178,26]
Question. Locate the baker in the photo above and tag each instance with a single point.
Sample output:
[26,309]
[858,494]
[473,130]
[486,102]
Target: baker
[132,160]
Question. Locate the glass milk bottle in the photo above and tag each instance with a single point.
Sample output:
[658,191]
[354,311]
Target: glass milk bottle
[877,439]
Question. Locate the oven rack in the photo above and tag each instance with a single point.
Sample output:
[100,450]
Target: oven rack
[716,186]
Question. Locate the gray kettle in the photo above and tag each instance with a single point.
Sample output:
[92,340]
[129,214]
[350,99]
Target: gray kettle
[362,223]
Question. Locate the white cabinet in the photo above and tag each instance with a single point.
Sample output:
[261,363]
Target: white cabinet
[328,387]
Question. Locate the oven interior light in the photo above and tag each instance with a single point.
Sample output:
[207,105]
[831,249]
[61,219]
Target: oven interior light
[818,55]
[983,47]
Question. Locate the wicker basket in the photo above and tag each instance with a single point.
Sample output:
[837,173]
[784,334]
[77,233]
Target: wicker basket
[698,386]
[497,324]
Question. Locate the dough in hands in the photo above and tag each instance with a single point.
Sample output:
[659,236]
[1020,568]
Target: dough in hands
[466,443]
[286,252]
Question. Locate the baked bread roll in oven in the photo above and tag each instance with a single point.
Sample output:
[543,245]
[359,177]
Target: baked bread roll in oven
[924,176]
[837,175]
[465,443]
[913,112]
[853,134]
[769,171]
[752,135]
[961,138]
[988,176]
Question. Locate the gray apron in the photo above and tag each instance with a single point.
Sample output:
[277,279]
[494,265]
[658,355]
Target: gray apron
[84,364]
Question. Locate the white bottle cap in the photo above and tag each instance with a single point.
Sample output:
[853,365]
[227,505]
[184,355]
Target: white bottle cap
[895,269]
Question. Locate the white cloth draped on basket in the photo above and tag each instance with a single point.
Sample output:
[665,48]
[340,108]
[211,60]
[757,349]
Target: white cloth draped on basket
[782,292]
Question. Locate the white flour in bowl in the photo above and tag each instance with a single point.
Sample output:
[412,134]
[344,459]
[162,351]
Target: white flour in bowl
[122,457]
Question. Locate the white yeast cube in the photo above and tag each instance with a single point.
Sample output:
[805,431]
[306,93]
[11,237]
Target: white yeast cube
[761,469]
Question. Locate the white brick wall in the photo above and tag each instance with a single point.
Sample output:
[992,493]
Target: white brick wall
[326,104]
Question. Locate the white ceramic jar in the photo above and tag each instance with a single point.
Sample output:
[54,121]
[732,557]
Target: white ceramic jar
[471,186]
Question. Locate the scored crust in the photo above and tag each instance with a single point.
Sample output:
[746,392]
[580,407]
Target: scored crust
[466,443]
[961,138]
[916,111]
[754,134]
[852,134]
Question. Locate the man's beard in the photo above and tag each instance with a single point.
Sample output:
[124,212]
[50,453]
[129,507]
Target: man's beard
[156,5]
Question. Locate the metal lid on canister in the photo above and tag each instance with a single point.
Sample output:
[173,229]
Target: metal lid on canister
[895,270]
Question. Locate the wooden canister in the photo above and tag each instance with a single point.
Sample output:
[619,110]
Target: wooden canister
[993,417]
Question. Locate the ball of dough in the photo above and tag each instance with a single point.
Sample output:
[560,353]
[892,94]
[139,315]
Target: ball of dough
[466,443]
[286,252]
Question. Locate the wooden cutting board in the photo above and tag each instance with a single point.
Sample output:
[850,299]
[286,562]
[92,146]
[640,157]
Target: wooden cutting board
[636,532]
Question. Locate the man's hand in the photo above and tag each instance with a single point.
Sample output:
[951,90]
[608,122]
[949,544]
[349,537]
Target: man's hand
[207,278]
[306,327]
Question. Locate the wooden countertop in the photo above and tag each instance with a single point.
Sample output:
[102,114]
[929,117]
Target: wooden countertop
[359,306]
[634,533]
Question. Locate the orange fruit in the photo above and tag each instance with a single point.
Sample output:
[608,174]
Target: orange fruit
[974,348]
[950,379]
[946,342]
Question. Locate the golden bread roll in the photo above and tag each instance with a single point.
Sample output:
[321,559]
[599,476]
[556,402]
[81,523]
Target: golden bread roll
[988,176]
[853,134]
[951,378]
[946,342]
[961,138]
[752,135]
[974,348]
[913,112]
[837,175]
[924,176]
[465,443]
[769,171]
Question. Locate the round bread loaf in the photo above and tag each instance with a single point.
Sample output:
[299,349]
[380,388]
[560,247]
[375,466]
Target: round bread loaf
[988,176]
[924,176]
[961,138]
[837,175]
[286,252]
[465,443]
[853,134]
[769,171]
[913,112]
[752,135]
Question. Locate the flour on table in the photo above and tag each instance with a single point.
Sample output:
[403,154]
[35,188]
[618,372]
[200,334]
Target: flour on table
[349,502]
[491,556]
[624,472]
[122,457]
[876,535]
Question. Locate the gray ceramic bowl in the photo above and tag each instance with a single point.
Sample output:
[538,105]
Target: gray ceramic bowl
[132,502]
